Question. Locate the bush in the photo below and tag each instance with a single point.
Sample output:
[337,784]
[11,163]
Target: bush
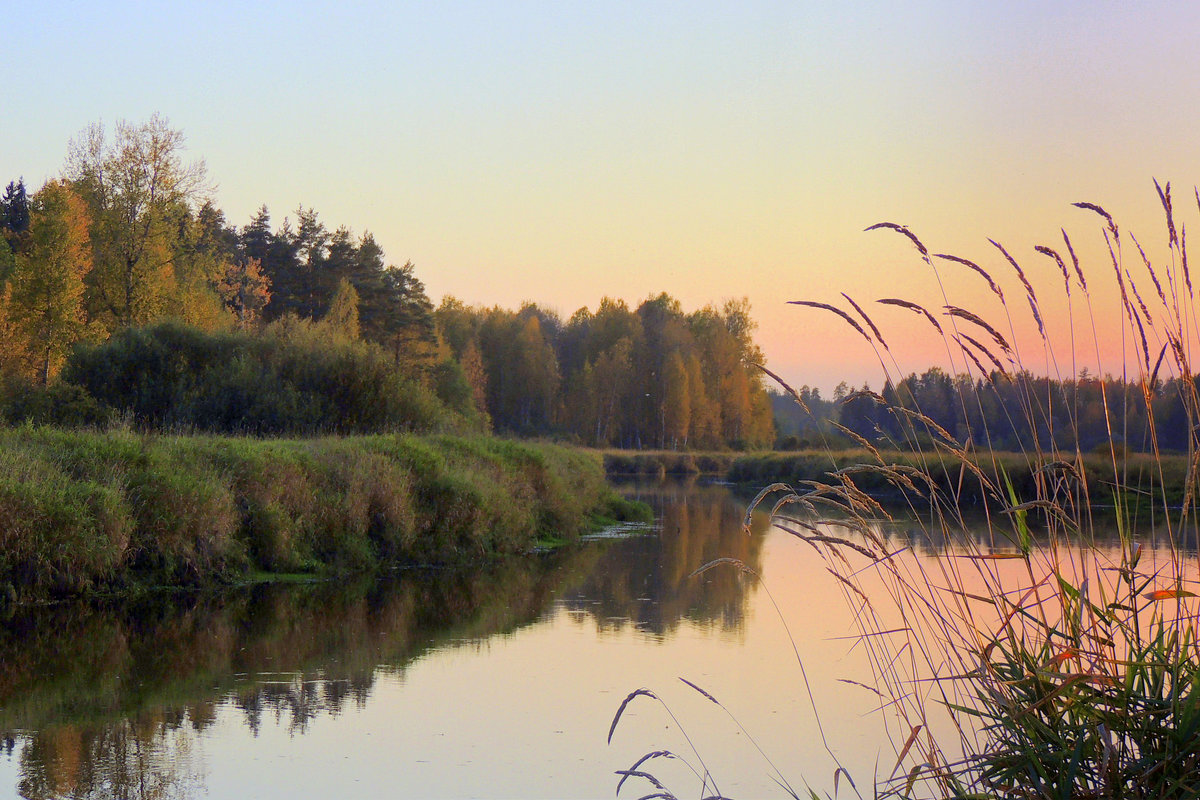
[61,404]
[294,378]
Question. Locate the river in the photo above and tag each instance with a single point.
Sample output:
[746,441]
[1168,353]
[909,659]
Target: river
[498,682]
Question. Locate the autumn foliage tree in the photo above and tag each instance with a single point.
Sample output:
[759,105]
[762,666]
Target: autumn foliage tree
[138,190]
[653,376]
[245,291]
[45,293]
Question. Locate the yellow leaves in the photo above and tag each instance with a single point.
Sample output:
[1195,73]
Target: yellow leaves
[46,308]
[342,316]
[245,291]
[13,345]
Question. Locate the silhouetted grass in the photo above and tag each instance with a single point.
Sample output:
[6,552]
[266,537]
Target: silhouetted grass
[1061,665]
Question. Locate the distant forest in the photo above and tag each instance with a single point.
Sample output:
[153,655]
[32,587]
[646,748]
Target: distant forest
[992,413]
[124,290]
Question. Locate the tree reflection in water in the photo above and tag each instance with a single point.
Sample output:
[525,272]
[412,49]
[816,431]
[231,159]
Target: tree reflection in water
[647,581]
[112,698]
[106,699]
[150,756]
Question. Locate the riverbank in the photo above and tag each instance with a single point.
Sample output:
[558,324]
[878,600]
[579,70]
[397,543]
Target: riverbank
[85,511]
[1139,475]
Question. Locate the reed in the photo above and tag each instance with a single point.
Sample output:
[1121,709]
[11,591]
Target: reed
[1037,660]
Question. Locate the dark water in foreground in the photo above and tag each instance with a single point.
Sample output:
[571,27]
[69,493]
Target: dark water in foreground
[498,682]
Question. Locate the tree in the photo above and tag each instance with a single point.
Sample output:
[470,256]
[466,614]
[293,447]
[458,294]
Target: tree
[677,401]
[611,385]
[206,250]
[48,280]
[14,222]
[704,430]
[14,343]
[664,331]
[7,261]
[14,209]
[245,291]
[408,319]
[364,267]
[536,375]
[298,268]
[457,325]
[342,315]
[476,375]
[256,239]
[139,192]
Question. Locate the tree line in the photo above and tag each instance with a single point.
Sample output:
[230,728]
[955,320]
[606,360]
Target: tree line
[95,262]
[646,377]
[129,236]
[1002,412]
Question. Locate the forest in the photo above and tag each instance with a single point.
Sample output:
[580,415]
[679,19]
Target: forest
[1003,411]
[125,292]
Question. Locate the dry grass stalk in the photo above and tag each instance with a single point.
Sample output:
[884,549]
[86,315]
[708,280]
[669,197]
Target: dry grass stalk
[1073,628]
[892,301]
[971,264]
[1062,664]
[1029,293]
[849,319]
[863,314]
[975,319]
[924,251]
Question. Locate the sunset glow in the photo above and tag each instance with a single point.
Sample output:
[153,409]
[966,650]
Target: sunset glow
[562,152]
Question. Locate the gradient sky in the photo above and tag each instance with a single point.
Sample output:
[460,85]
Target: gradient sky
[559,152]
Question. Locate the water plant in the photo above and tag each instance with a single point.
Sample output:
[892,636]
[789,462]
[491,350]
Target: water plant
[1041,659]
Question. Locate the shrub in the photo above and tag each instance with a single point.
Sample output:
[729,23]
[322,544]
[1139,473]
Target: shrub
[61,404]
[295,377]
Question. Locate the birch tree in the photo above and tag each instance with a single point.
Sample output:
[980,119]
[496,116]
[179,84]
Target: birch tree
[139,192]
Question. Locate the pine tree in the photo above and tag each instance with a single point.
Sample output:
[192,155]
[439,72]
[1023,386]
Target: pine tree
[14,209]
[407,319]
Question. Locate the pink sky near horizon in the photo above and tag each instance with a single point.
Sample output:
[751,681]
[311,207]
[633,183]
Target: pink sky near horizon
[561,152]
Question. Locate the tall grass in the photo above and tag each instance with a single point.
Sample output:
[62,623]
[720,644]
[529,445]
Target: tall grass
[81,511]
[1037,660]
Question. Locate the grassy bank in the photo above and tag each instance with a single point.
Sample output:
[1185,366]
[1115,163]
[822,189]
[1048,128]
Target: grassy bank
[83,511]
[1140,476]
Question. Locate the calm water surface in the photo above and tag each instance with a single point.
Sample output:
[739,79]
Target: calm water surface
[493,683]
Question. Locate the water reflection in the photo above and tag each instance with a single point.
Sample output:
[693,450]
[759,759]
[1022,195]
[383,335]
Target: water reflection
[104,699]
[144,757]
[138,699]
[113,698]
[648,582]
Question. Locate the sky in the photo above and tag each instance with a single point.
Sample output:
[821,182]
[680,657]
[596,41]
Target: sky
[561,152]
